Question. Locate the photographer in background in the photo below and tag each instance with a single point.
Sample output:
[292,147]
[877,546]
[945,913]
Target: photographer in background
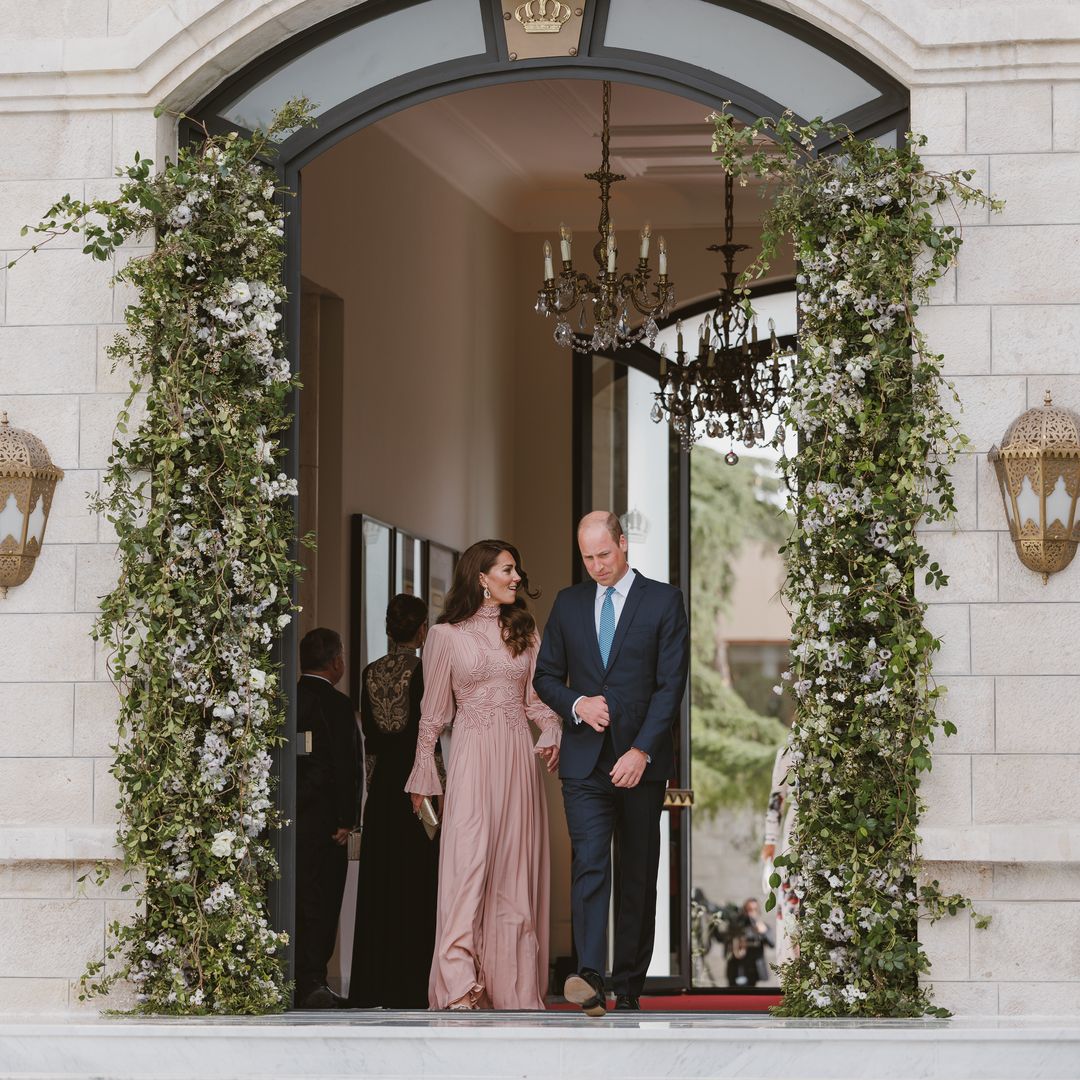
[748,935]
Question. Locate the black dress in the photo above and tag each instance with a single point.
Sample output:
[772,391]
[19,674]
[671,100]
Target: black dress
[398,872]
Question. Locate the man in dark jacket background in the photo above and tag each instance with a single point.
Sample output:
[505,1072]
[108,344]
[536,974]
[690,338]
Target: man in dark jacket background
[328,786]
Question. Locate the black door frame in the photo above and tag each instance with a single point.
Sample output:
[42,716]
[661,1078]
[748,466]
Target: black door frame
[889,112]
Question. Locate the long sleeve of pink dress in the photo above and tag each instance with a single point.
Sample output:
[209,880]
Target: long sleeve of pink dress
[491,941]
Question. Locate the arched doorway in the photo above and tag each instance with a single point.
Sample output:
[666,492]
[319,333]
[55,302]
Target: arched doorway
[385,56]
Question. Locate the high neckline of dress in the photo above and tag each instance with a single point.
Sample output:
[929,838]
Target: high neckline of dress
[488,611]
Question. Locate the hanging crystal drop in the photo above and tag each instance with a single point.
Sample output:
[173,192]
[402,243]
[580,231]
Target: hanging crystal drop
[781,434]
[657,413]
[731,457]
[651,330]
[541,304]
[712,427]
[622,329]
[564,336]
[759,431]
[581,318]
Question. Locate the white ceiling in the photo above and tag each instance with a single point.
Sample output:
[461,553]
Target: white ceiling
[520,150]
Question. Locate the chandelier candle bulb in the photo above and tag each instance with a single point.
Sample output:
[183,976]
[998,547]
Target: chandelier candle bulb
[663,257]
[549,270]
[565,236]
[644,250]
[663,359]
[678,331]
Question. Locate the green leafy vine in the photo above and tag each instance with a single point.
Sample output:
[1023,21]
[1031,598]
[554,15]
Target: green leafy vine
[204,525]
[876,440]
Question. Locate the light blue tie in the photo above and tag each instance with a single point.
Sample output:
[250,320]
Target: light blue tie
[607,624]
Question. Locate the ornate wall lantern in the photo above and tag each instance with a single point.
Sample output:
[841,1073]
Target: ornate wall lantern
[27,481]
[1038,468]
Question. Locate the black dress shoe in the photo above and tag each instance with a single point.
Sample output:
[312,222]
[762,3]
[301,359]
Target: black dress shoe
[586,988]
[627,1003]
[321,997]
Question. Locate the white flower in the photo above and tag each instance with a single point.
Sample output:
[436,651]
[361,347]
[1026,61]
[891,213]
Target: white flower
[179,216]
[239,292]
[223,842]
[257,679]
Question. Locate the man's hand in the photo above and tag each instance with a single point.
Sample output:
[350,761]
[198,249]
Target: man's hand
[629,768]
[340,836]
[767,852]
[594,712]
[550,757]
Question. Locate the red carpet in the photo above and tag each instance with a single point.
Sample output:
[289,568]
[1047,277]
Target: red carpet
[697,1002]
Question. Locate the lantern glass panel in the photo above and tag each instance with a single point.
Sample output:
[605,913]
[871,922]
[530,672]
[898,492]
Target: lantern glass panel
[1058,504]
[11,521]
[36,525]
[1027,504]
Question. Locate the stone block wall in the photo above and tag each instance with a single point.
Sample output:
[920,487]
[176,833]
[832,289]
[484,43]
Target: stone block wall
[1003,825]
[57,710]
[78,83]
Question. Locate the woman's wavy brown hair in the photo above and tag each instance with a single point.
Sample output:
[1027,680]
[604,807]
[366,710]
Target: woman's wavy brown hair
[466,595]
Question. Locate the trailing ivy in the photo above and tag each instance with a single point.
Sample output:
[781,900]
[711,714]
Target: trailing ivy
[204,525]
[876,440]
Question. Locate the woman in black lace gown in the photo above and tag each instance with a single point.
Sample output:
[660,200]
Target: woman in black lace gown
[398,872]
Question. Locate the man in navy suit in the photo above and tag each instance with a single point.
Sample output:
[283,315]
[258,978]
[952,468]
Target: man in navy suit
[613,665]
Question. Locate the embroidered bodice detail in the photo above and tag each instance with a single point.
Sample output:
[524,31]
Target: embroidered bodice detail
[472,680]
[388,688]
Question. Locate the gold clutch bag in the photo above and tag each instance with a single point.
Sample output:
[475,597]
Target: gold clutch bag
[353,845]
[429,817]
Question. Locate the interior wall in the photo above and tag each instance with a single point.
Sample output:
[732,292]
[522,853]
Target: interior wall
[426,391]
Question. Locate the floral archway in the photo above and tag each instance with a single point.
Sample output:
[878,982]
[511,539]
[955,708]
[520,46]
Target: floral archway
[204,522]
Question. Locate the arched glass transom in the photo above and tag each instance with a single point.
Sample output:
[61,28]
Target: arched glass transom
[783,67]
[382,55]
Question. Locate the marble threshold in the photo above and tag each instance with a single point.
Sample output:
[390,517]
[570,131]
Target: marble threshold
[406,1045]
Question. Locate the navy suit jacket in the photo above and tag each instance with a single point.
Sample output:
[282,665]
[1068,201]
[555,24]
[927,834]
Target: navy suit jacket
[643,681]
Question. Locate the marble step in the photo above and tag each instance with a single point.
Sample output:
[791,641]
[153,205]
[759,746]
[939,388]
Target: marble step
[402,1046]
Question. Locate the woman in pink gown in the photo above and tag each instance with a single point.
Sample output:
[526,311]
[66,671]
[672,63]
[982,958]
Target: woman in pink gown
[491,938]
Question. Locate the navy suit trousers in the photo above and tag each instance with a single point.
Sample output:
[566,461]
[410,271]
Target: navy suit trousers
[597,812]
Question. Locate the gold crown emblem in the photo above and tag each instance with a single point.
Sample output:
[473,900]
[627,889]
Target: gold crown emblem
[542,16]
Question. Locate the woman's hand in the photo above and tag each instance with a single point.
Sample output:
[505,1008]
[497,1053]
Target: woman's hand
[416,801]
[550,757]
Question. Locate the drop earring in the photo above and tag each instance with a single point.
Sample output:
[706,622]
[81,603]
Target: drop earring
[487,593]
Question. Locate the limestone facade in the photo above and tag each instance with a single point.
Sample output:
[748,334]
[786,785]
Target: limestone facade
[994,85]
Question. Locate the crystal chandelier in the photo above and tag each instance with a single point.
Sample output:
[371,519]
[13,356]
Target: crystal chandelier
[612,295]
[734,382]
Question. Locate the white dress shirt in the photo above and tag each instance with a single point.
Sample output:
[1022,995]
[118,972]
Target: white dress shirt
[618,600]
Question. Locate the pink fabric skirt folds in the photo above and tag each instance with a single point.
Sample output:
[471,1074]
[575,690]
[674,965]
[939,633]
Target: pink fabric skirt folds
[491,937]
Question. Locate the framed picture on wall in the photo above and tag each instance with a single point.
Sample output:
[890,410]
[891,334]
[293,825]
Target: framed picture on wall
[385,561]
[441,563]
[372,549]
[409,569]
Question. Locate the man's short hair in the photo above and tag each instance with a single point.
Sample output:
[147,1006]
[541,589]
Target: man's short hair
[319,649]
[610,522]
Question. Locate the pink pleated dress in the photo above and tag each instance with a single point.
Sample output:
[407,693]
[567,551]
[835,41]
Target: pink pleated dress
[491,937]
